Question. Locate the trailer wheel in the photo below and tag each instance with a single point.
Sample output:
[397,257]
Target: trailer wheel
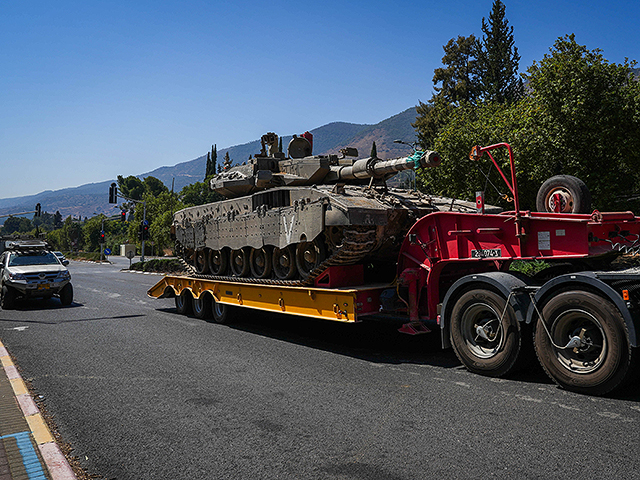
[563,194]
[8,298]
[66,295]
[222,313]
[485,335]
[184,302]
[592,353]
[201,306]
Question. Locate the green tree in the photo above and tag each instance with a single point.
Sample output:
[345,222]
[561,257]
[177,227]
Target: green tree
[457,80]
[212,162]
[198,193]
[590,119]
[498,59]
[131,187]
[154,186]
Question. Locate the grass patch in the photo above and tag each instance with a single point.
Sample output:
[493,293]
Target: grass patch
[159,266]
[528,267]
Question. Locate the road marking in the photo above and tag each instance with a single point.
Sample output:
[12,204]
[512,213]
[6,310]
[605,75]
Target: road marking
[19,329]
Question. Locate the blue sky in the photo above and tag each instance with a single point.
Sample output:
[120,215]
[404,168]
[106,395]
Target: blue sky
[91,90]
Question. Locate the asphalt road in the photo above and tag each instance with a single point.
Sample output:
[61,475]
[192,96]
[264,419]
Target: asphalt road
[143,393]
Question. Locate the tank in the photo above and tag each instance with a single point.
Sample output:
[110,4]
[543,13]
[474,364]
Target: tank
[286,218]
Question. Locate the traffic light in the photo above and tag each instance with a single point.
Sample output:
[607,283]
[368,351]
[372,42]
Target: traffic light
[102,236]
[123,216]
[38,210]
[113,193]
[145,230]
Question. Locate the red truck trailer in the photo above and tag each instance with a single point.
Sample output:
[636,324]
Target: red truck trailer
[579,315]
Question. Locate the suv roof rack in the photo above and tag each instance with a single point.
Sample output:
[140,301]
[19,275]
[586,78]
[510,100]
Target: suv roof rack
[26,245]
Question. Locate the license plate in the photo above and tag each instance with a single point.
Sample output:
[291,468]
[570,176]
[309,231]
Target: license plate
[44,286]
[486,253]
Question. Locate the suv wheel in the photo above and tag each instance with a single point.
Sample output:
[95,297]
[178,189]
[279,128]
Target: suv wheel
[66,294]
[8,298]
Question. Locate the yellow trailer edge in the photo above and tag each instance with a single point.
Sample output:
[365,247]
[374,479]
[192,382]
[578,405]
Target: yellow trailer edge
[339,304]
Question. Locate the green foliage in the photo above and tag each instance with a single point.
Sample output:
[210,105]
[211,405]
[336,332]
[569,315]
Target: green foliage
[529,268]
[131,187]
[485,124]
[374,151]
[472,70]
[458,76]
[212,162]
[590,120]
[198,193]
[154,186]
[498,59]
[16,225]
[159,265]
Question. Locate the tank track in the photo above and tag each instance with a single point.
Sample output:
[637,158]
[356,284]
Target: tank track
[357,244]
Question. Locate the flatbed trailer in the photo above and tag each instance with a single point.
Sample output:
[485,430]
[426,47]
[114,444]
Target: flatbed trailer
[579,316]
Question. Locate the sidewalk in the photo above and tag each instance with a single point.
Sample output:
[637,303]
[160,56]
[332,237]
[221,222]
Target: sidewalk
[27,448]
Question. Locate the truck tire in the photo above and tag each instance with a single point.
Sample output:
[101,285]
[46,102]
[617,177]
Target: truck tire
[201,306]
[573,193]
[8,298]
[184,302]
[222,313]
[604,359]
[483,342]
[66,295]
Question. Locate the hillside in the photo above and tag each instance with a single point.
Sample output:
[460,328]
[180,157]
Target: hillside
[91,199]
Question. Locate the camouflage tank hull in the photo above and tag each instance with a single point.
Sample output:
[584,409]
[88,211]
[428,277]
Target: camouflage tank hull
[293,234]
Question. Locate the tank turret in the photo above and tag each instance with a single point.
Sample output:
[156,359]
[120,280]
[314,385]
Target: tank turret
[289,217]
[270,169]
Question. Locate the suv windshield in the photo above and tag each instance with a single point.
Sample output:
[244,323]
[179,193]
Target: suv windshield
[32,258]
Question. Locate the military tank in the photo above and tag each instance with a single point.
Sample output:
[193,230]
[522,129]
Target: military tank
[286,218]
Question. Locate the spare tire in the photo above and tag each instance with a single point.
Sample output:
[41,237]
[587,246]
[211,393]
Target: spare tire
[563,194]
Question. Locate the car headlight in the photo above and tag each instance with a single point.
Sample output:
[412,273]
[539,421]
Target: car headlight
[65,275]
[17,276]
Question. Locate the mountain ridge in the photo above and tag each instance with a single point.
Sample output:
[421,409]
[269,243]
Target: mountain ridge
[91,198]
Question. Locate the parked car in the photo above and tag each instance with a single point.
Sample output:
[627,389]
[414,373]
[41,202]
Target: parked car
[62,258]
[28,269]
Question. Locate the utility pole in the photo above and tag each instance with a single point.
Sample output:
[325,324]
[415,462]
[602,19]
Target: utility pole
[144,220]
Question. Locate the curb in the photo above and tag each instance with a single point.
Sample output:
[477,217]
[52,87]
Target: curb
[54,459]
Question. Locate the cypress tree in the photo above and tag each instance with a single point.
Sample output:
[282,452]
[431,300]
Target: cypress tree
[498,59]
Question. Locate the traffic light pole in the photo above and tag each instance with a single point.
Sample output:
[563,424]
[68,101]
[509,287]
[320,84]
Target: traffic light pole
[113,198]
[101,236]
[144,219]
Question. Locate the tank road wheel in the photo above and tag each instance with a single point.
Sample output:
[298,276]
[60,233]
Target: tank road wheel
[240,262]
[309,255]
[201,306]
[201,260]
[184,302]
[260,262]
[485,336]
[592,353]
[284,262]
[218,262]
[563,194]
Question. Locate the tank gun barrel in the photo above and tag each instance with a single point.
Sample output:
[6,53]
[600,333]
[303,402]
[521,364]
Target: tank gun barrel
[376,168]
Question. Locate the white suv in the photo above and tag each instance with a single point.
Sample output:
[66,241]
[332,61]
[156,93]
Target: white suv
[28,269]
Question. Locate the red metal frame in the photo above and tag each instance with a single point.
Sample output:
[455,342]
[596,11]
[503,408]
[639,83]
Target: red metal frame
[443,246]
